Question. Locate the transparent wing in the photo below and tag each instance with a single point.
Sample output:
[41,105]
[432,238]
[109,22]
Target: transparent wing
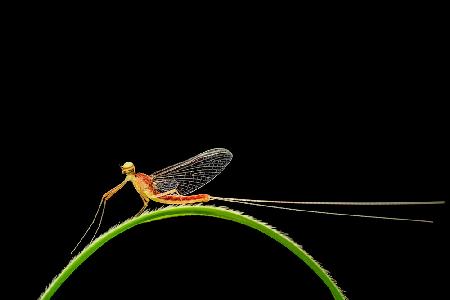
[190,175]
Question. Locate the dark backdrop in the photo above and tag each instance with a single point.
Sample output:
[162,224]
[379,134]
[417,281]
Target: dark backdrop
[306,118]
[282,151]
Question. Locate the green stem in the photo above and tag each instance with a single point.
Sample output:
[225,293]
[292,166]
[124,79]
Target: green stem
[197,210]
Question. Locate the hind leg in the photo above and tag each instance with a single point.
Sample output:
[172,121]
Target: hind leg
[171,192]
[141,211]
[146,201]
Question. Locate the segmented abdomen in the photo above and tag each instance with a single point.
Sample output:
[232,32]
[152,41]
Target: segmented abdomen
[185,199]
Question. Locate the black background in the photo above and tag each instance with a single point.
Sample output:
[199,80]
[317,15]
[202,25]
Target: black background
[344,115]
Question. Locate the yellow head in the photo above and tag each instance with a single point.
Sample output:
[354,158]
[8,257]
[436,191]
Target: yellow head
[128,168]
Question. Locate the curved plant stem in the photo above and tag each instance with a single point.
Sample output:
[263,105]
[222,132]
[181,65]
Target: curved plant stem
[194,210]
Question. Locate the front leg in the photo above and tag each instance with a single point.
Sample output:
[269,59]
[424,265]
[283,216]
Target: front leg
[114,190]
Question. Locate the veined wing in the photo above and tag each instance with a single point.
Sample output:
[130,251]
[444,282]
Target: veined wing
[190,175]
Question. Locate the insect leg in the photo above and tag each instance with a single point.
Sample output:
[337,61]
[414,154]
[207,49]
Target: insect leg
[114,190]
[92,223]
[145,199]
[171,192]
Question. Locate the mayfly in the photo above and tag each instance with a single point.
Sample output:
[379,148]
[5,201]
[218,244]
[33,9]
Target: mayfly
[175,185]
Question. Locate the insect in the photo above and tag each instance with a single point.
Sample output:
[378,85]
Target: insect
[175,185]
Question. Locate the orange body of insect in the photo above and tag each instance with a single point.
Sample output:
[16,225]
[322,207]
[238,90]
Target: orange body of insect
[145,183]
[147,189]
[174,184]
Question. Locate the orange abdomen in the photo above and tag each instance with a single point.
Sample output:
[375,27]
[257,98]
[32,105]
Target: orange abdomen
[178,199]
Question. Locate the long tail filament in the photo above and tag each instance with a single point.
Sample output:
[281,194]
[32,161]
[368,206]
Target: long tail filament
[259,203]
